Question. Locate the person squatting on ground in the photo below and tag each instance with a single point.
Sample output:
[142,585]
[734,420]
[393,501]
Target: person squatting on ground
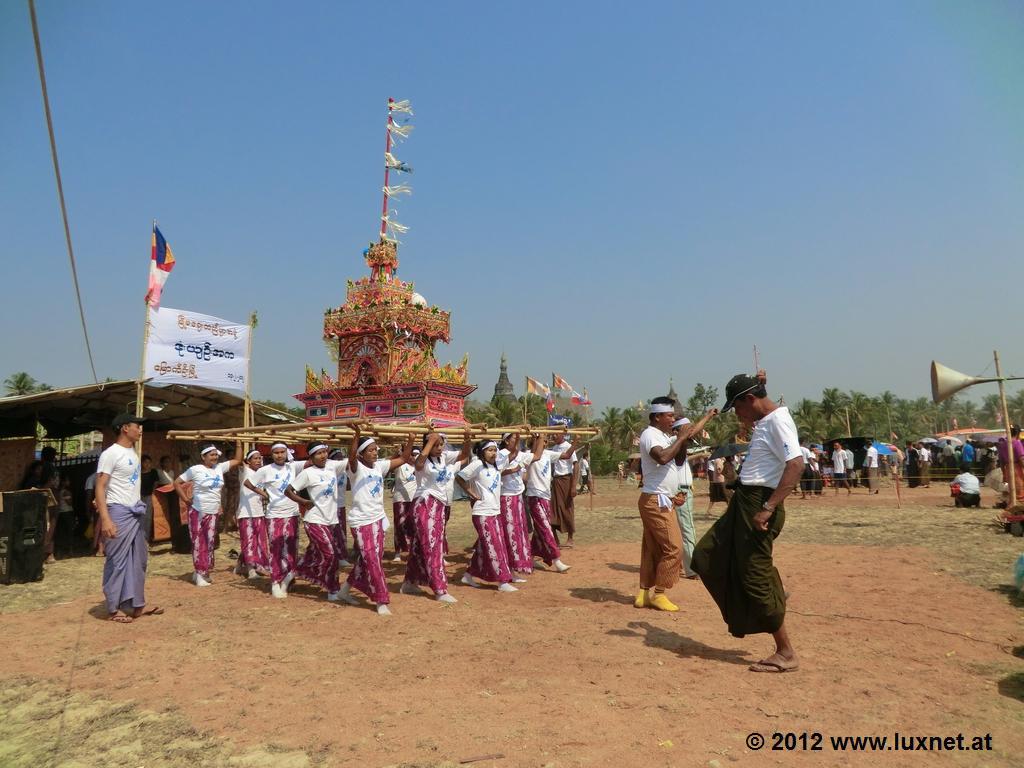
[254,559]
[203,504]
[734,557]
[322,481]
[368,520]
[481,481]
[965,488]
[544,543]
[120,510]
[282,515]
[661,548]
[434,469]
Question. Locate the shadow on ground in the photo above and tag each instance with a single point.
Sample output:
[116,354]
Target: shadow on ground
[656,637]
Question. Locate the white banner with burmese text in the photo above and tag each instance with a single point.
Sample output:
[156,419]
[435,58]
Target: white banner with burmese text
[190,348]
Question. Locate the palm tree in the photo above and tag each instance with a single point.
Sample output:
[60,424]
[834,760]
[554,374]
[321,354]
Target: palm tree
[22,384]
[833,403]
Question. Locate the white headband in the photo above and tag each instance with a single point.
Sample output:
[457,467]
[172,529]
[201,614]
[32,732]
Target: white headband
[661,408]
[488,444]
[365,444]
[207,449]
[275,446]
[317,448]
[680,422]
[251,453]
[506,436]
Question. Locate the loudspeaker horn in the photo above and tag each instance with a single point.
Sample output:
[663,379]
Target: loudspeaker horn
[946,382]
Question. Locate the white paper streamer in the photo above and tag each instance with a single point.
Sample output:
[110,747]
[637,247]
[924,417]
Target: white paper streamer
[393,162]
[401,106]
[399,132]
[400,189]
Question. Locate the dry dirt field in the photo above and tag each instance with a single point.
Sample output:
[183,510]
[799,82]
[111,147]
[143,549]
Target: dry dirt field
[905,619]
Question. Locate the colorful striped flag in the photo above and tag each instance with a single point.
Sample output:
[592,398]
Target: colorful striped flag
[160,265]
[559,383]
[534,387]
[578,399]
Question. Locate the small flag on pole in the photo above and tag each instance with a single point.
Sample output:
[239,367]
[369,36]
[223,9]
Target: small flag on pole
[160,265]
[559,383]
[534,387]
[578,399]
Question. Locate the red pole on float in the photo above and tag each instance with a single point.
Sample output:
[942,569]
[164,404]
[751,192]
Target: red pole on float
[387,149]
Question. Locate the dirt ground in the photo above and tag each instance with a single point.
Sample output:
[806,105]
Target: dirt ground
[905,620]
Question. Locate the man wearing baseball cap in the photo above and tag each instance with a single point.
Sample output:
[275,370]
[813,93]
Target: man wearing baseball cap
[121,510]
[734,558]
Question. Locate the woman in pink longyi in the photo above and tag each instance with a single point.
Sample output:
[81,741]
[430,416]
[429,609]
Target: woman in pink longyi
[538,501]
[512,463]
[204,505]
[368,519]
[481,481]
[322,481]
[254,559]
[435,468]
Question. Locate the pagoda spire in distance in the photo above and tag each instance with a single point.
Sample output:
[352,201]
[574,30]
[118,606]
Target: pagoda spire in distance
[503,389]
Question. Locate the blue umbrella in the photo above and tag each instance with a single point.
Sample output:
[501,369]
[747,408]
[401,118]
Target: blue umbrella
[883,450]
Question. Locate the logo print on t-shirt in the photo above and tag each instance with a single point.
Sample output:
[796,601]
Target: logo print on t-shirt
[443,475]
[378,484]
[329,490]
[495,481]
[135,474]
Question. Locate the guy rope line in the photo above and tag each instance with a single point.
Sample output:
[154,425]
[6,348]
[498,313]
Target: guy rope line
[60,185]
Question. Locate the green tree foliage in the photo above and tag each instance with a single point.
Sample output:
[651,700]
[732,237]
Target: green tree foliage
[22,383]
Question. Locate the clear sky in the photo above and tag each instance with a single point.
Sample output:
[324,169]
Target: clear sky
[619,192]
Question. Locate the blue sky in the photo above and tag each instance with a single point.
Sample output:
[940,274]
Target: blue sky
[617,192]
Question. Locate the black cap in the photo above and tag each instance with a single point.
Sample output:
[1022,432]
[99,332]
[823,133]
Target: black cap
[740,384]
[127,418]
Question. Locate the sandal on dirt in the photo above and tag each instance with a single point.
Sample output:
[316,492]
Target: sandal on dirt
[156,611]
[120,618]
[772,666]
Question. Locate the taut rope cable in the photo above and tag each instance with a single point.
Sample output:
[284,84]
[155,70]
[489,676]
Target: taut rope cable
[60,185]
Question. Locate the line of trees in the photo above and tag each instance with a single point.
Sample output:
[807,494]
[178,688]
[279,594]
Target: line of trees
[837,414]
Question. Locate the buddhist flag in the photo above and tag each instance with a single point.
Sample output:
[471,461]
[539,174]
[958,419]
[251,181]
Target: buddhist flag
[559,383]
[160,265]
[534,387]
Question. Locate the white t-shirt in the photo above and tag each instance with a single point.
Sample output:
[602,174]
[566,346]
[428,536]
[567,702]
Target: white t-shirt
[923,454]
[250,503]
[486,483]
[207,483]
[273,479]
[512,484]
[323,486]
[871,459]
[437,477]
[563,466]
[123,466]
[405,483]
[684,475]
[584,467]
[538,477]
[773,442]
[968,483]
[849,460]
[658,478]
[368,493]
[838,462]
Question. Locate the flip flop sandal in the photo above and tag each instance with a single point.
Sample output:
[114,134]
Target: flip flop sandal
[120,618]
[771,666]
[157,611]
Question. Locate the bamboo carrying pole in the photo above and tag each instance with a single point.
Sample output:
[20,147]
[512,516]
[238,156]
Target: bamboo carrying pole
[1010,477]
[343,429]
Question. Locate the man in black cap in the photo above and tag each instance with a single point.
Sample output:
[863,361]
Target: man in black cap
[734,558]
[121,510]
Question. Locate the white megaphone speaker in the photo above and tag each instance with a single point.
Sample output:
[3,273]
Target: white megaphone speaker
[946,382]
